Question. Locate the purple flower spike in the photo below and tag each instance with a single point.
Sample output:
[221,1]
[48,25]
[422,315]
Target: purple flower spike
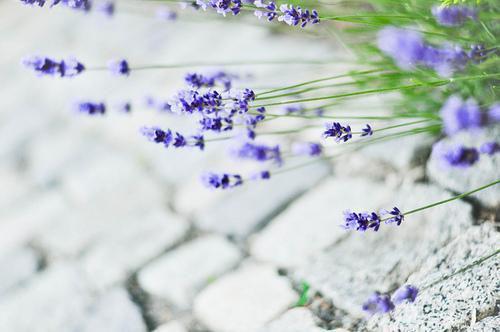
[460,156]
[84,5]
[367,131]
[107,8]
[157,135]
[397,216]
[494,113]
[91,108]
[308,149]
[39,3]
[453,15]
[458,115]
[489,148]
[260,153]
[406,292]
[361,221]
[119,67]
[49,67]
[337,131]
[222,181]
[378,303]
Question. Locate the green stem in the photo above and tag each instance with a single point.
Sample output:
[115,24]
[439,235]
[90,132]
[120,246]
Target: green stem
[463,269]
[453,198]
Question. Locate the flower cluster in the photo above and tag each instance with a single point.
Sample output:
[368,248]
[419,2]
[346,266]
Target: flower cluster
[409,50]
[337,131]
[453,15]
[382,303]
[458,115]
[220,78]
[119,67]
[460,156]
[365,220]
[168,138]
[50,67]
[222,181]
[91,108]
[84,5]
[290,14]
[308,149]
[260,152]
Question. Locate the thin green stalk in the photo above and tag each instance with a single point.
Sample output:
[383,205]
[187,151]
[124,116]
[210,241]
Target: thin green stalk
[463,269]
[453,198]
[320,80]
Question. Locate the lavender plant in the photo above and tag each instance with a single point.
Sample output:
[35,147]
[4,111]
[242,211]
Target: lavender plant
[442,60]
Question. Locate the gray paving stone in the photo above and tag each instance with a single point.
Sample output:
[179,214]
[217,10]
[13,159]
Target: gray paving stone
[488,324]
[255,199]
[294,320]
[55,301]
[458,301]
[14,189]
[244,300]
[19,226]
[352,270]
[17,267]
[178,275]
[311,223]
[173,326]
[114,312]
[485,171]
[131,246]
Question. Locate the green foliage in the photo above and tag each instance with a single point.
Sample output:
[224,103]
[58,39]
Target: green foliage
[304,298]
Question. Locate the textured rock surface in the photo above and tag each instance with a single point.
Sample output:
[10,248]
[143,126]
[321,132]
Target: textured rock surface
[380,260]
[313,222]
[294,320]
[459,300]
[171,277]
[256,202]
[114,312]
[244,300]
[488,324]
[16,268]
[485,171]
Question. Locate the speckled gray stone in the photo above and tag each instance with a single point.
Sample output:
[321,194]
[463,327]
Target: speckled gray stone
[16,267]
[365,262]
[456,302]
[485,171]
[488,324]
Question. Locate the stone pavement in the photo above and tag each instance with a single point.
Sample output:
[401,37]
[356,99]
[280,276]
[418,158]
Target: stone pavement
[102,231]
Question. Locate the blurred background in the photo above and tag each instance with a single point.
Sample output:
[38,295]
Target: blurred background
[100,230]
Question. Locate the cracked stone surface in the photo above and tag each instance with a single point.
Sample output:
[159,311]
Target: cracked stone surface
[171,277]
[244,300]
[457,301]
[372,261]
[485,171]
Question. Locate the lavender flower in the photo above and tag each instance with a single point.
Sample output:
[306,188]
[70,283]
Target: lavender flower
[453,15]
[124,107]
[49,67]
[84,5]
[222,181]
[361,221]
[119,67]
[456,156]
[337,131]
[107,8]
[166,14]
[494,113]
[294,15]
[378,303]
[157,135]
[308,149]
[458,115]
[406,292]
[40,3]
[489,148]
[396,216]
[91,108]
[151,102]
[260,153]
[367,131]
[409,50]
